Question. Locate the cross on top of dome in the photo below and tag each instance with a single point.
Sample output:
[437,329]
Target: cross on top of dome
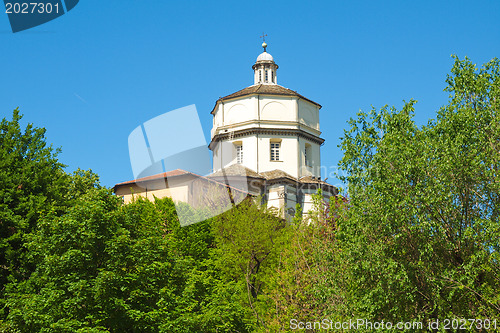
[264,44]
[264,56]
[265,67]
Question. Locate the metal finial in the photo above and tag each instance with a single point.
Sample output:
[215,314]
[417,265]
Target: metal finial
[264,44]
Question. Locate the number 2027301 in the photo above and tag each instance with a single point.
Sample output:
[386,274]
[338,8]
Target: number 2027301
[31,8]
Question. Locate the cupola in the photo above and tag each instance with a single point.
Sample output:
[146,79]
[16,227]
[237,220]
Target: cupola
[265,68]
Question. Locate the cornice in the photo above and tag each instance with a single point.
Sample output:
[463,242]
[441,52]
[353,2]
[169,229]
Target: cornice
[267,131]
[260,123]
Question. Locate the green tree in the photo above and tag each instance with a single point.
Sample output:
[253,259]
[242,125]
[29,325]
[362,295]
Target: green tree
[79,183]
[69,252]
[420,238]
[76,259]
[300,287]
[248,239]
[105,266]
[32,183]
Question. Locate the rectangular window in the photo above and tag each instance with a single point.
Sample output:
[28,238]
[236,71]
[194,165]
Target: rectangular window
[307,155]
[267,75]
[275,151]
[239,154]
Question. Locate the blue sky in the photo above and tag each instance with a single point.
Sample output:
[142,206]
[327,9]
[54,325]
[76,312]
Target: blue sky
[93,75]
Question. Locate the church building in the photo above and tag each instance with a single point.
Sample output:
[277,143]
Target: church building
[265,141]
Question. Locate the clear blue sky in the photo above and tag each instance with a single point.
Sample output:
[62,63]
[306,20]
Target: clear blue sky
[91,76]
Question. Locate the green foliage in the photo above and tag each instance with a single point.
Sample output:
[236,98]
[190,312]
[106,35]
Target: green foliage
[109,267]
[249,239]
[420,239]
[31,184]
[80,182]
[69,252]
[290,288]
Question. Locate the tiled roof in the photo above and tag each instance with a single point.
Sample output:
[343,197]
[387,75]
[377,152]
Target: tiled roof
[174,173]
[309,179]
[162,175]
[240,170]
[236,170]
[275,174]
[232,170]
[265,89]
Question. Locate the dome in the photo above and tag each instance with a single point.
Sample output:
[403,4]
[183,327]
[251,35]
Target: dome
[264,56]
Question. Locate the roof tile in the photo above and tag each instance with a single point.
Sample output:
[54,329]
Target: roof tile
[162,175]
[265,89]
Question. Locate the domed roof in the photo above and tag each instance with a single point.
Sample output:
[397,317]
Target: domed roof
[264,56]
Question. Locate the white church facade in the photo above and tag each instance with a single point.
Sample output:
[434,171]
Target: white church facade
[265,140]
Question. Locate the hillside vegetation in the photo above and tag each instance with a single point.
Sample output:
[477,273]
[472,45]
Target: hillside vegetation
[415,236]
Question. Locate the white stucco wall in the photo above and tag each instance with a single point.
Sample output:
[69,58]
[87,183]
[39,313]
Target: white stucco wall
[314,169]
[309,114]
[273,112]
[288,159]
